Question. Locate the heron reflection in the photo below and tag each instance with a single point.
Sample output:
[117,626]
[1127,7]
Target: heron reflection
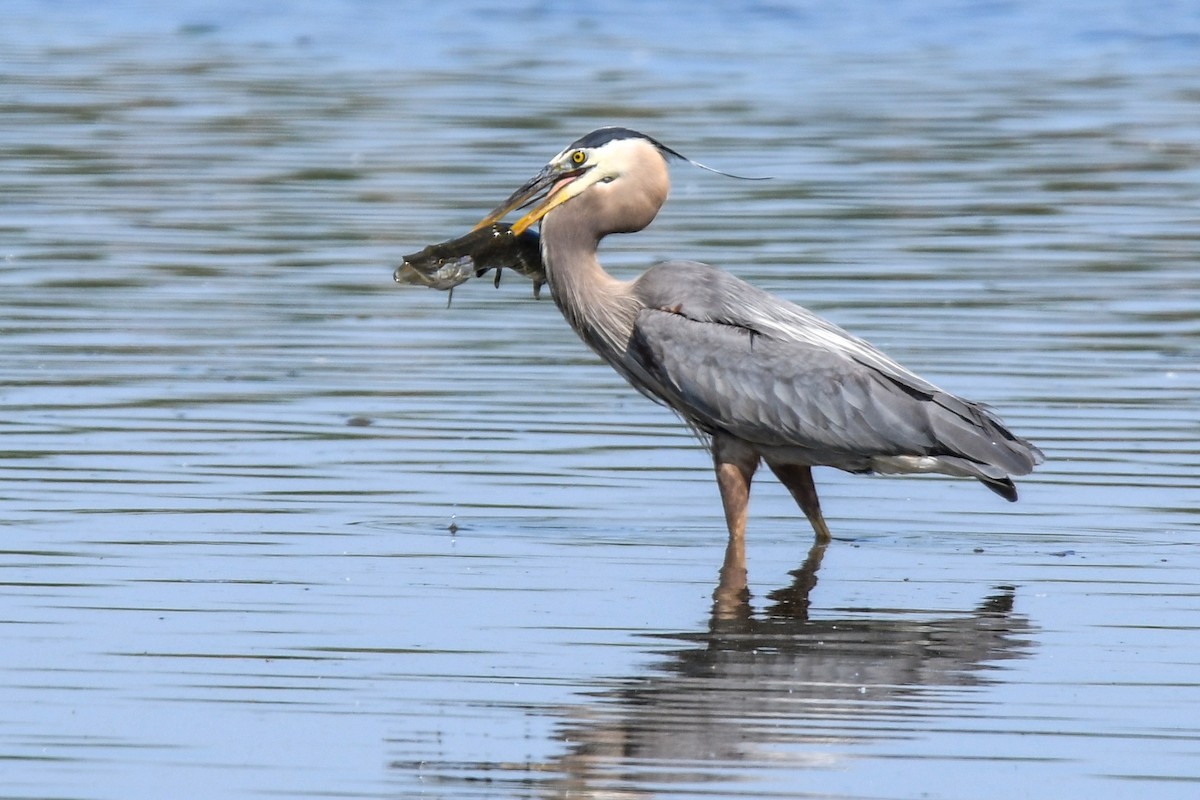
[773,687]
[780,688]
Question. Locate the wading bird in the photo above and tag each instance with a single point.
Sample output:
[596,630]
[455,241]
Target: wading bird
[757,377]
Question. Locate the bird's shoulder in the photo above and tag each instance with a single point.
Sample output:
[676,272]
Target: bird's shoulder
[701,293]
[703,289]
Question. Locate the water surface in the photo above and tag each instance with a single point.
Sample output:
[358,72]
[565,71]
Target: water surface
[275,526]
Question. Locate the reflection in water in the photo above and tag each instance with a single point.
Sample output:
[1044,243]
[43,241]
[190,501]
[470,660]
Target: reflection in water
[774,689]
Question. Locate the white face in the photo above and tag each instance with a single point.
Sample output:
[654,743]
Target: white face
[576,169]
[608,161]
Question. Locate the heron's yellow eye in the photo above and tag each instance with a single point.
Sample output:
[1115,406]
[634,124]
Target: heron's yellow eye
[578,157]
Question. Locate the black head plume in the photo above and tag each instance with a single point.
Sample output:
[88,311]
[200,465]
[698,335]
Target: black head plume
[602,136]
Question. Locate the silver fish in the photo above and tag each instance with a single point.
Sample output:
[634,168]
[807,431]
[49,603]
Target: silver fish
[447,264]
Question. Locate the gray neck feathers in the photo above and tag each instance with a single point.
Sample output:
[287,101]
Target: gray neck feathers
[598,306]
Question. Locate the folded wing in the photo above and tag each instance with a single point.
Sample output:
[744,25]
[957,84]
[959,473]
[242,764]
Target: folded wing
[736,360]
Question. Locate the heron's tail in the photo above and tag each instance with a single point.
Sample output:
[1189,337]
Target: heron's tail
[1002,486]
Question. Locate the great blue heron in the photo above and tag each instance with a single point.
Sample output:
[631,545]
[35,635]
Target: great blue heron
[757,377]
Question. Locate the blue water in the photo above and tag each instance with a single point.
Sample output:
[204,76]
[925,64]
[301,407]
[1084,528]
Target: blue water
[276,526]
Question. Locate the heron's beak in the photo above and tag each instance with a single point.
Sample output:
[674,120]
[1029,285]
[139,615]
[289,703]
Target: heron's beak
[551,182]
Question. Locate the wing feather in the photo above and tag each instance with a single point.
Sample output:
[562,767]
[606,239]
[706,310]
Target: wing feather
[732,358]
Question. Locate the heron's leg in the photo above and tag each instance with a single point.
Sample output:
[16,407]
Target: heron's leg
[735,465]
[799,482]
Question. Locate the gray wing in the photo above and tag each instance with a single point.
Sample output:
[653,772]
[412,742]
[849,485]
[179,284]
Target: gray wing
[732,358]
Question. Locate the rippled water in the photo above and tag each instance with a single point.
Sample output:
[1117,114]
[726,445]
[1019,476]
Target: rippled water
[276,526]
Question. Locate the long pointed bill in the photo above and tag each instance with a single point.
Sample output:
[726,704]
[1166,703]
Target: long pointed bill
[550,181]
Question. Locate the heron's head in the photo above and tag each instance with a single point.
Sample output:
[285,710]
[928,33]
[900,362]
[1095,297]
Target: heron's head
[622,169]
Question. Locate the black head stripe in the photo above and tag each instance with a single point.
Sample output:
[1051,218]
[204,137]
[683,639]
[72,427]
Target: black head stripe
[602,136]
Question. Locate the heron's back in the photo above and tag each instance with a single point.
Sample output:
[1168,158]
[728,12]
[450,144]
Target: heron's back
[736,360]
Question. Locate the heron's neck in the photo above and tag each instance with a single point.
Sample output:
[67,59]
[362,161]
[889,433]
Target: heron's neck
[598,306]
